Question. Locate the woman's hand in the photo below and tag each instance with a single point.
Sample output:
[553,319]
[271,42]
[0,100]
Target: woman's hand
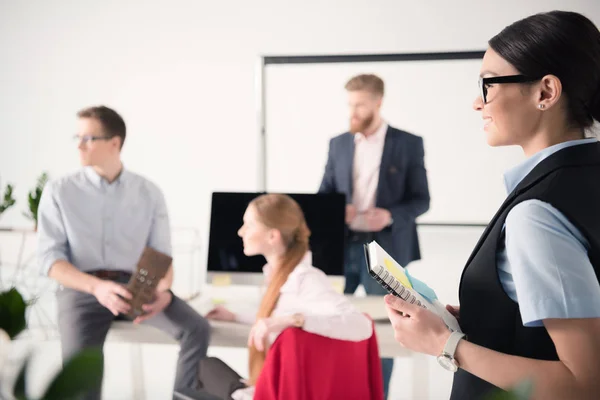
[220,313]
[417,328]
[264,326]
[454,310]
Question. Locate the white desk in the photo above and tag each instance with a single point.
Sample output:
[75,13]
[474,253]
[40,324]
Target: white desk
[230,334]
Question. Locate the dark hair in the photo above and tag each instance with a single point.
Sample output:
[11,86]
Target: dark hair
[111,121]
[564,44]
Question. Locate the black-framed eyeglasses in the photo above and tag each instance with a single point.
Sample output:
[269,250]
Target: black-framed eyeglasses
[483,82]
[90,138]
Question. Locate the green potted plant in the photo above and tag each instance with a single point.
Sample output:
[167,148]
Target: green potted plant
[33,198]
[7,200]
[522,391]
[78,375]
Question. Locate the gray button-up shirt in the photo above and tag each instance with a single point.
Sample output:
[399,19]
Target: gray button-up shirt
[96,225]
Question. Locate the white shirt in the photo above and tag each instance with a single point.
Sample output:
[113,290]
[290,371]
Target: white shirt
[368,151]
[326,312]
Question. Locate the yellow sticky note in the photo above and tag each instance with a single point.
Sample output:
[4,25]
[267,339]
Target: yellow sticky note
[217,301]
[338,287]
[398,274]
[221,280]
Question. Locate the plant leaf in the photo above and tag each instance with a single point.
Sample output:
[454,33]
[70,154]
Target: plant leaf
[8,201]
[522,391]
[34,196]
[12,312]
[80,374]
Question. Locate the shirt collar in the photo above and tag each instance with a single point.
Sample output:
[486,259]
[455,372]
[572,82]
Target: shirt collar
[99,181]
[516,174]
[378,136]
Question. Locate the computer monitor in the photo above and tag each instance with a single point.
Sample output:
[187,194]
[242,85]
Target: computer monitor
[324,215]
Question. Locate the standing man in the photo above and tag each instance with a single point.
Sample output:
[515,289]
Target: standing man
[93,227]
[381,170]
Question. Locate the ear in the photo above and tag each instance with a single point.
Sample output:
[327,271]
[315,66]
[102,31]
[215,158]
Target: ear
[550,91]
[274,236]
[116,143]
[379,100]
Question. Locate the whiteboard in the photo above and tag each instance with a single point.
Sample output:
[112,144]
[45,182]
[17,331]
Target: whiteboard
[306,105]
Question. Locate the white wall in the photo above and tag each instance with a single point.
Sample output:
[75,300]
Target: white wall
[432,99]
[182,74]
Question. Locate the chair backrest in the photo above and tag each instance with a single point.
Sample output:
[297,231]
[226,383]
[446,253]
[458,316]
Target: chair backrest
[302,366]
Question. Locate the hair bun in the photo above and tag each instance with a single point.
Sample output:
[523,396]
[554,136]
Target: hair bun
[302,234]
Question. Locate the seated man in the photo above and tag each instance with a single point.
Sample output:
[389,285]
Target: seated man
[93,227]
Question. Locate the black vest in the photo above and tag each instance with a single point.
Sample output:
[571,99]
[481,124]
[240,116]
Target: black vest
[569,180]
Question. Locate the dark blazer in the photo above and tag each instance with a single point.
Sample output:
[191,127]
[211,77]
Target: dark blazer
[402,187]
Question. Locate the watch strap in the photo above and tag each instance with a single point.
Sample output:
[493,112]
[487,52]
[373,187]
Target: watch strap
[452,343]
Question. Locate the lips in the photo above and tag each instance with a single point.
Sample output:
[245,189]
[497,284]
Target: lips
[486,122]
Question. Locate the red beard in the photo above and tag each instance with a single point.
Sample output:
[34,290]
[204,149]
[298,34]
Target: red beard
[361,125]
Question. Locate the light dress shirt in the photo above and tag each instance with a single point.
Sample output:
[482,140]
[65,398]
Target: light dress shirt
[94,224]
[543,264]
[368,151]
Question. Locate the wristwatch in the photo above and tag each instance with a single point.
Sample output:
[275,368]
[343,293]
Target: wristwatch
[446,359]
[298,320]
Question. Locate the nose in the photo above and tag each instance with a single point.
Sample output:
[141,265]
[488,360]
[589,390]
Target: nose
[478,104]
[240,233]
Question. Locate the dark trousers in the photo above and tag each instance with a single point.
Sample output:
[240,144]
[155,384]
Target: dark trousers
[83,323]
[355,272]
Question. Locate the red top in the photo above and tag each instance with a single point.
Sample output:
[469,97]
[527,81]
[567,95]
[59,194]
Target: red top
[304,366]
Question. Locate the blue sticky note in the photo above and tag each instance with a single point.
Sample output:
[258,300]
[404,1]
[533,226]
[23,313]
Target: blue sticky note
[421,287]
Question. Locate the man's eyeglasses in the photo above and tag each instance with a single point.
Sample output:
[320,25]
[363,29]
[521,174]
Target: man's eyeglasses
[484,82]
[89,138]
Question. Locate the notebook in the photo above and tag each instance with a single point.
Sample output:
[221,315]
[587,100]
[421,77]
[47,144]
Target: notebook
[151,268]
[392,276]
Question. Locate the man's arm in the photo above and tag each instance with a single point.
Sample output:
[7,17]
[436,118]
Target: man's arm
[52,242]
[53,245]
[67,275]
[108,293]
[328,181]
[160,238]
[416,198]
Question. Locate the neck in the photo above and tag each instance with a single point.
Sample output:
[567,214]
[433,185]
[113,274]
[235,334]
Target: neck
[375,125]
[274,260]
[548,138]
[109,171]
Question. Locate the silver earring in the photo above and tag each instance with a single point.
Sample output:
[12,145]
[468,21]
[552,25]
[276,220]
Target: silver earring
[541,106]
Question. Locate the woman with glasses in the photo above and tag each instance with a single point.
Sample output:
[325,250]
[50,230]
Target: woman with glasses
[530,292]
